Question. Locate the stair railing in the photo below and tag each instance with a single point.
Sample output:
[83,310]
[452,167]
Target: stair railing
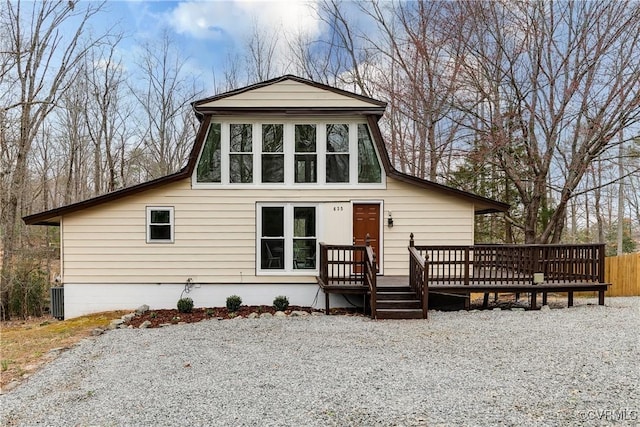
[418,277]
[370,275]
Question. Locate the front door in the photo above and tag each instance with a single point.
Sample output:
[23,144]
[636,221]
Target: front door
[366,220]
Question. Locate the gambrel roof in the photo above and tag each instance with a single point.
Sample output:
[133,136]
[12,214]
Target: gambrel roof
[274,97]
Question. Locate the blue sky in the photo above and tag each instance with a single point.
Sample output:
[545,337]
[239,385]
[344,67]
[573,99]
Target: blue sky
[207,32]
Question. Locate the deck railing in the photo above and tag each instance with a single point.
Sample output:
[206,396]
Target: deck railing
[418,279]
[487,263]
[349,265]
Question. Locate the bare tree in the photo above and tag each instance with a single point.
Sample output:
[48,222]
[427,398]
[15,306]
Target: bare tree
[261,49]
[43,61]
[560,81]
[106,113]
[162,98]
[422,44]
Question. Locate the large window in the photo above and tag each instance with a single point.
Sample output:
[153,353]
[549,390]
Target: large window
[289,154]
[159,224]
[287,237]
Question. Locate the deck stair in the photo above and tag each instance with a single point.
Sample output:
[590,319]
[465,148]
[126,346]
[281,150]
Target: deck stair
[397,302]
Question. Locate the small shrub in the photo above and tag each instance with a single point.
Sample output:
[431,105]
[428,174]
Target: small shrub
[233,303]
[153,315]
[185,305]
[209,312]
[5,365]
[281,303]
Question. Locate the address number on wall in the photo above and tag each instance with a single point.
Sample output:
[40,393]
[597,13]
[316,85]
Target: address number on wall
[338,208]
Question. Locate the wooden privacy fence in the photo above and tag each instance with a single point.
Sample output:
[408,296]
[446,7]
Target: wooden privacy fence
[623,272]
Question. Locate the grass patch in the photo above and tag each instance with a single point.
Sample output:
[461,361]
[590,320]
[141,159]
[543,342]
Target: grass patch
[25,346]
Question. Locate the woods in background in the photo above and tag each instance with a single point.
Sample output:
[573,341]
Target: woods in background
[536,104]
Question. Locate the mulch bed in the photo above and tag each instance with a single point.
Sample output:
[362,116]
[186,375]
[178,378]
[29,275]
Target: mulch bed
[163,317]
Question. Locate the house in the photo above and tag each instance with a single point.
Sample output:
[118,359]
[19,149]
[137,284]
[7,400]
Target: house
[275,169]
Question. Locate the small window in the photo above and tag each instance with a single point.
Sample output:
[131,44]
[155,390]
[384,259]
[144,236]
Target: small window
[159,225]
[240,153]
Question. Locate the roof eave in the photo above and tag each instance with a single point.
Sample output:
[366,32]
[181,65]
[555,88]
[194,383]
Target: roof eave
[49,217]
[363,98]
[292,111]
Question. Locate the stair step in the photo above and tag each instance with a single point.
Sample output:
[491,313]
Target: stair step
[393,289]
[385,296]
[399,313]
[395,304]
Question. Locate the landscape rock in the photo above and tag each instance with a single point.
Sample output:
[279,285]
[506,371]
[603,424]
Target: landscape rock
[142,309]
[97,331]
[10,386]
[266,315]
[280,314]
[299,313]
[253,315]
[128,317]
[317,313]
[116,322]
[545,308]
[144,325]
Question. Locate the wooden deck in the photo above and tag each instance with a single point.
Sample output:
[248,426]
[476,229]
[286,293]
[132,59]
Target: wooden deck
[462,270]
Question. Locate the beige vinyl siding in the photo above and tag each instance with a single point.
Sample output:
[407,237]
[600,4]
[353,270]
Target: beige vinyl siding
[215,232]
[288,93]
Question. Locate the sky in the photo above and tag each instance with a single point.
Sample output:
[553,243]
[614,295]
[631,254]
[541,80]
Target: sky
[207,32]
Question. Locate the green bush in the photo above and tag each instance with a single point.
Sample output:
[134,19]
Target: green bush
[233,303]
[281,303]
[28,290]
[185,305]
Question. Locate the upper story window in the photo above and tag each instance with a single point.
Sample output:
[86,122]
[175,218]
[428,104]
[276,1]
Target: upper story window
[289,153]
[240,153]
[368,164]
[209,166]
[272,153]
[338,153]
[306,159]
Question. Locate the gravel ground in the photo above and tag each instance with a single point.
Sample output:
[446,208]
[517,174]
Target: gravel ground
[549,367]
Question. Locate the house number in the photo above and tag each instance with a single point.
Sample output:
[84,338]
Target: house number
[338,208]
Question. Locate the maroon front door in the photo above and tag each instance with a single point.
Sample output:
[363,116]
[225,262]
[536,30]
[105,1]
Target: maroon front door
[366,220]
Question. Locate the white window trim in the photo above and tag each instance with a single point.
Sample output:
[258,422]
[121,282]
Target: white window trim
[289,155]
[288,269]
[171,224]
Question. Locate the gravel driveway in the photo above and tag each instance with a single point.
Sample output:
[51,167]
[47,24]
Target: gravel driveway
[548,367]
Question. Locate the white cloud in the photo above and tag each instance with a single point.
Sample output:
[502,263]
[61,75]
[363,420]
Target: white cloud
[234,19]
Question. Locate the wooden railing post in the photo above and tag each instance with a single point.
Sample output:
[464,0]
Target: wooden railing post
[466,265]
[534,260]
[411,242]
[324,265]
[425,289]
[601,257]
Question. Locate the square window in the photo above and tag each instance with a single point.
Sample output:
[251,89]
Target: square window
[287,238]
[159,225]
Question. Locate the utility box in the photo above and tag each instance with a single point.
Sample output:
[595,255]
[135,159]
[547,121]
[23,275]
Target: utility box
[57,303]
